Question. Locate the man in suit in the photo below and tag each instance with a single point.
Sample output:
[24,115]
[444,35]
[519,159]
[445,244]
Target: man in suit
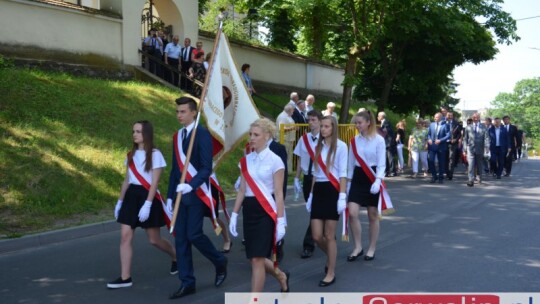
[438,134]
[189,223]
[453,144]
[299,114]
[475,144]
[512,135]
[391,145]
[185,63]
[498,146]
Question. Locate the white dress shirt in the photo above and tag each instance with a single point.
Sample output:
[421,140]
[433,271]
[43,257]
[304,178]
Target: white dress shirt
[263,166]
[373,152]
[339,167]
[140,161]
[301,151]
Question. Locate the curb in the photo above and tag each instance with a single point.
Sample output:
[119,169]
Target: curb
[56,236]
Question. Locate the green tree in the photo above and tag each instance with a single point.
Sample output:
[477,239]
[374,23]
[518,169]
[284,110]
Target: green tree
[522,105]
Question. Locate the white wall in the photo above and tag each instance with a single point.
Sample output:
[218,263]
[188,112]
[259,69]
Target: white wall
[28,23]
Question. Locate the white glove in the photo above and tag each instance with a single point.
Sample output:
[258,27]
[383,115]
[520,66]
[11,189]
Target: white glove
[376,187]
[144,213]
[341,203]
[184,188]
[237,184]
[117,208]
[170,208]
[308,203]
[297,185]
[280,231]
[232,224]
[348,187]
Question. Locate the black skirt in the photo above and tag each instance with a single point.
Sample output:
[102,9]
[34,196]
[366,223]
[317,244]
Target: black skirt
[258,229]
[133,201]
[324,202]
[360,189]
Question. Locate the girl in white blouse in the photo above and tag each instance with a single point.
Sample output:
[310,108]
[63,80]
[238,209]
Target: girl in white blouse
[327,199]
[138,205]
[371,147]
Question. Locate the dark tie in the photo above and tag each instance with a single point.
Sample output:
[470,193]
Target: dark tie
[184,136]
[475,128]
[310,166]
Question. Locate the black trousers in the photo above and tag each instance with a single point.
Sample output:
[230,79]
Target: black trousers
[308,243]
[390,163]
[185,83]
[451,160]
[508,161]
[172,76]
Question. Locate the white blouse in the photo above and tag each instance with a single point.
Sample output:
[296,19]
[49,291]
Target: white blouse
[262,166]
[301,151]
[339,167]
[373,152]
[140,160]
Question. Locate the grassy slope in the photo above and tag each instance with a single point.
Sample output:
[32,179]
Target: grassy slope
[63,141]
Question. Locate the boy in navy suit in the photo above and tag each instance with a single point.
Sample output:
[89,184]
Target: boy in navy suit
[189,222]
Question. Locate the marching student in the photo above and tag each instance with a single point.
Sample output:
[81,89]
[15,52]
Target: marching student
[195,197]
[305,149]
[261,198]
[139,203]
[367,166]
[327,199]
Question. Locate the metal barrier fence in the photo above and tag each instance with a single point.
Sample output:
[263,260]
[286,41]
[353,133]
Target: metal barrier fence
[345,133]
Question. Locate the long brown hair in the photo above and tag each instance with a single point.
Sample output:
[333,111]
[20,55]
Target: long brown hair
[368,117]
[148,140]
[330,158]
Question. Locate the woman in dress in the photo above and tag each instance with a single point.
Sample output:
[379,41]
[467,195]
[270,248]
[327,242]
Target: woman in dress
[371,148]
[327,199]
[261,198]
[197,73]
[417,144]
[138,204]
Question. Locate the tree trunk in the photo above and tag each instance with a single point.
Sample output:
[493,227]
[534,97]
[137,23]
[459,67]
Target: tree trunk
[350,68]
[383,101]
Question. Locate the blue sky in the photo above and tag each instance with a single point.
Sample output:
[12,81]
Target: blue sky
[480,84]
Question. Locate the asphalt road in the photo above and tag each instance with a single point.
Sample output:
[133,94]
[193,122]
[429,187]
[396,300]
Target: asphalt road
[443,238]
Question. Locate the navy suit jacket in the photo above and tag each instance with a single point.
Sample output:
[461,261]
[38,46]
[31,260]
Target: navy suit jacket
[443,136]
[297,117]
[280,151]
[504,139]
[512,135]
[201,159]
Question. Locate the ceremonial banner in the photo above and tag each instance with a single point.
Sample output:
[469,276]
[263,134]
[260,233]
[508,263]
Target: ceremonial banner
[228,107]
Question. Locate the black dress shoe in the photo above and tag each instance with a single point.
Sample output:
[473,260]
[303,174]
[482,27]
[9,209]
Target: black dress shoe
[353,258]
[227,250]
[369,258]
[221,275]
[326,284]
[470,183]
[182,292]
[306,254]
[288,274]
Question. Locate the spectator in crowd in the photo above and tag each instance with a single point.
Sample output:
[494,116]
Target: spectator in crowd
[444,112]
[197,73]
[294,98]
[172,59]
[153,46]
[198,49]
[388,132]
[475,145]
[453,142]
[437,136]
[299,114]
[289,132]
[207,59]
[498,146]
[247,79]
[512,134]
[310,100]
[417,145]
[330,110]
[400,139]
[185,63]
[165,41]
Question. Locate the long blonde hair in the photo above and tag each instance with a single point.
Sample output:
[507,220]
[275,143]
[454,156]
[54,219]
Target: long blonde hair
[330,158]
[368,117]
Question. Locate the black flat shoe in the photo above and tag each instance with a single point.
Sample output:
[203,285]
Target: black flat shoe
[369,258]
[227,250]
[306,254]
[288,274]
[326,284]
[182,292]
[353,258]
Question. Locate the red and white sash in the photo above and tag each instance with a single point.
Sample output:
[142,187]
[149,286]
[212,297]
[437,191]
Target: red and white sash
[264,197]
[203,192]
[335,182]
[385,203]
[166,215]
